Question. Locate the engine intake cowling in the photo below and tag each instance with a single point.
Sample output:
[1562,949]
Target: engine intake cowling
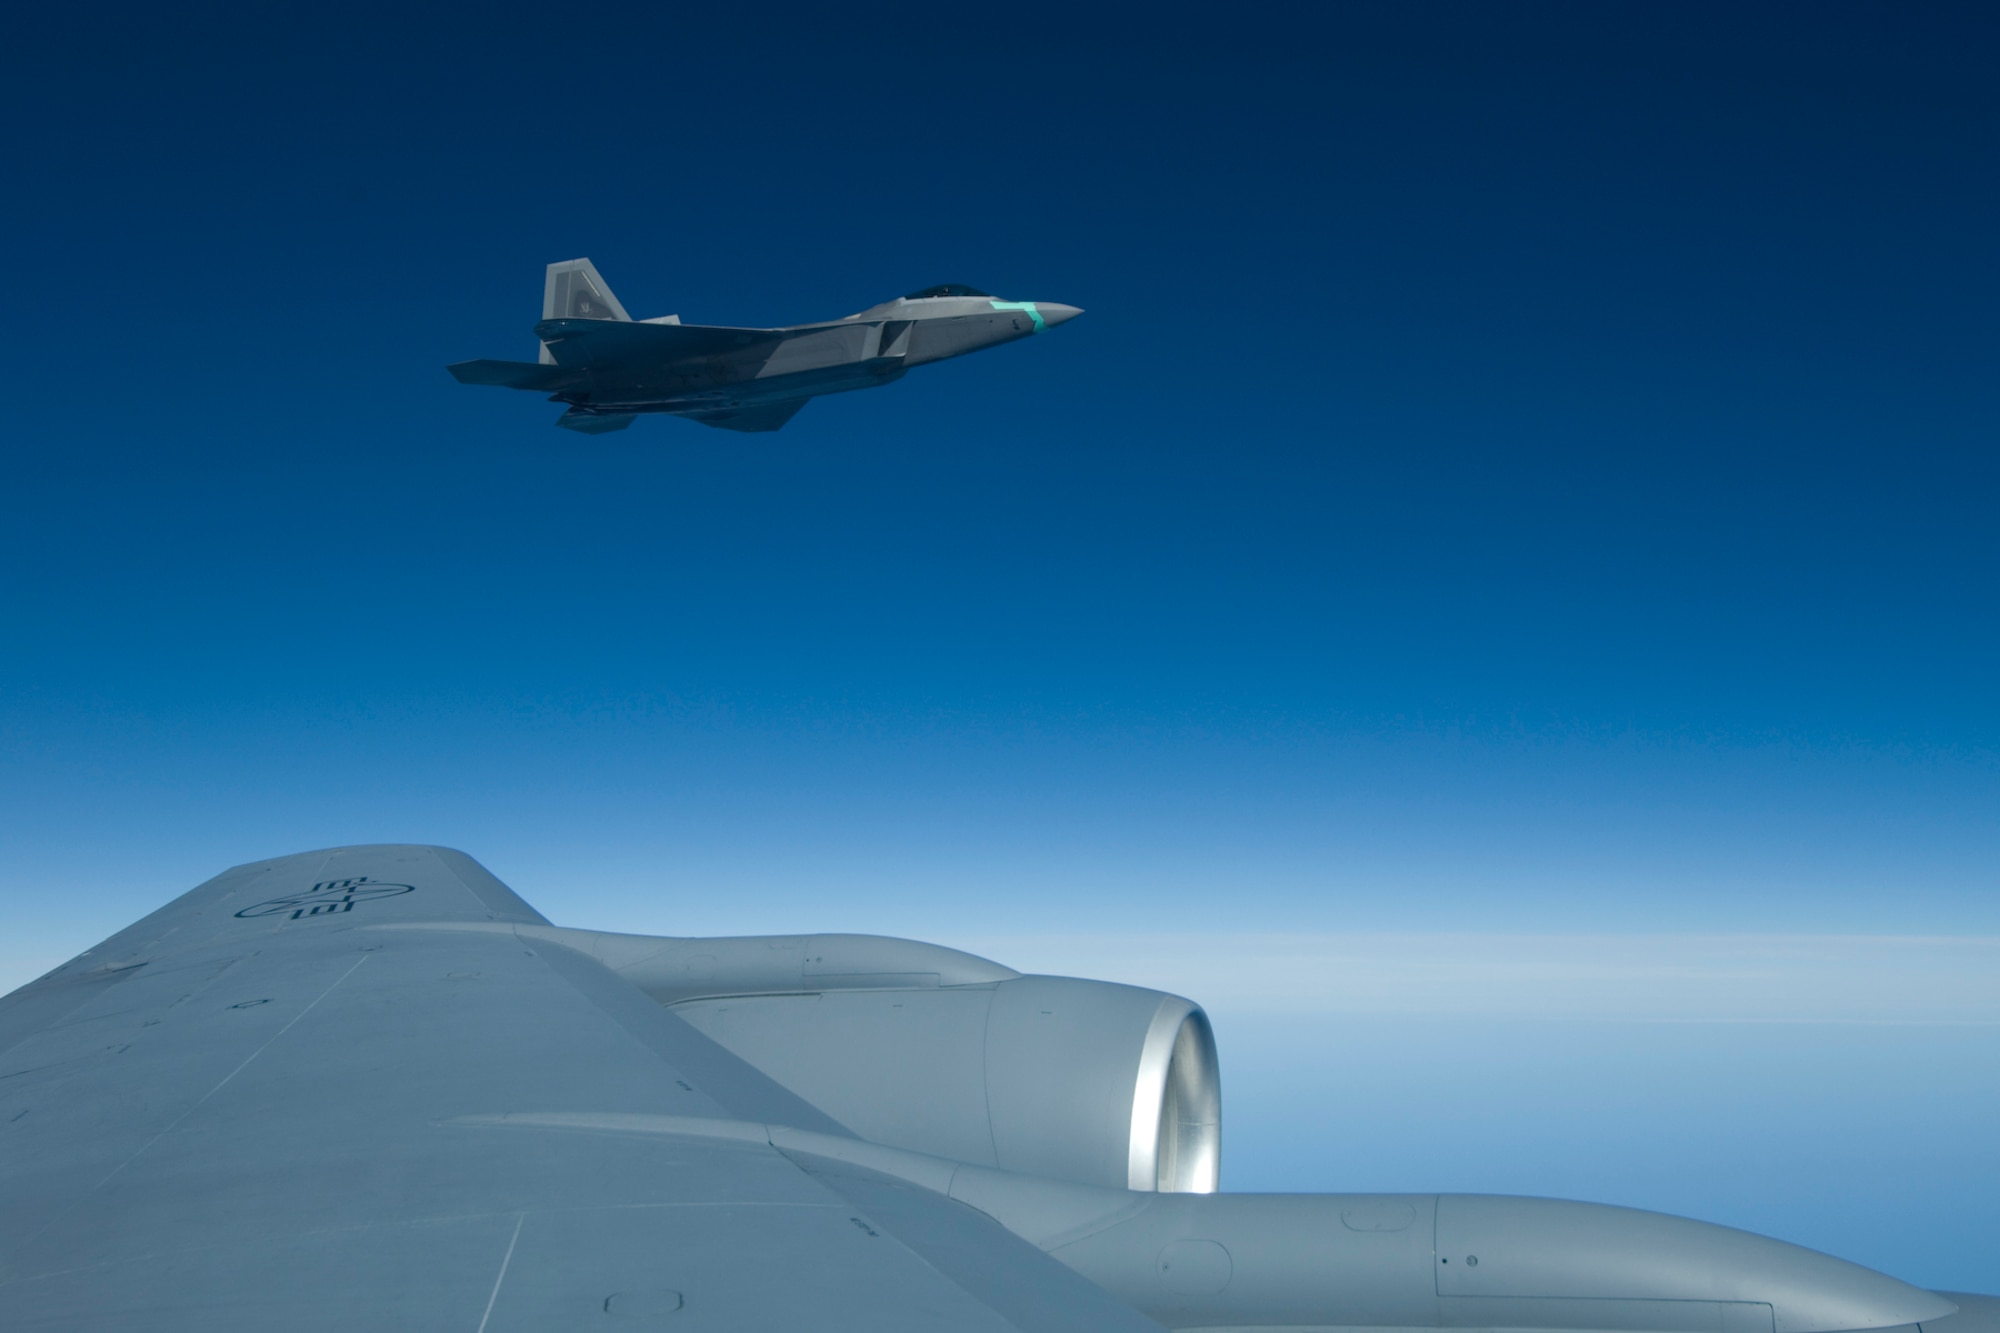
[1077,1080]
[936,1051]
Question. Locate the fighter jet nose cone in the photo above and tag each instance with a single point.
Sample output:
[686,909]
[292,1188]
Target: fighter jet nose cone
[1054,313]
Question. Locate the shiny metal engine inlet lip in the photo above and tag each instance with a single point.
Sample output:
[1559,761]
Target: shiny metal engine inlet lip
[1176,1145]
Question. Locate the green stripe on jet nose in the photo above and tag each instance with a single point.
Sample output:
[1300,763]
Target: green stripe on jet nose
[1028,306]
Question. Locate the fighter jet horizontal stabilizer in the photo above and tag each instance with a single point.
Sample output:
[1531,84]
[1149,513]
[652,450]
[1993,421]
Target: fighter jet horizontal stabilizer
[516,375]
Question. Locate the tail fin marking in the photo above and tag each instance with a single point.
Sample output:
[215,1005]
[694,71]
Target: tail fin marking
[576,290]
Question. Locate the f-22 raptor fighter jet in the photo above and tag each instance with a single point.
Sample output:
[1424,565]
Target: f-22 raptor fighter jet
[609,368]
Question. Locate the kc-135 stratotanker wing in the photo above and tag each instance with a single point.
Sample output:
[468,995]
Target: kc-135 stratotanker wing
[371,1088]
[609,368]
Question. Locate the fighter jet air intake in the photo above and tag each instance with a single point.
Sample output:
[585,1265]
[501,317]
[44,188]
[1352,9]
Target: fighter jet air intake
[371,1088]
[609,368]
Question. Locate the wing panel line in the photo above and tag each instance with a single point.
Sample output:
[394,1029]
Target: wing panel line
[247,1061]
[501,1276]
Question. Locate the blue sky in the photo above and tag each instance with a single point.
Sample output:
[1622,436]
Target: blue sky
[1525,473]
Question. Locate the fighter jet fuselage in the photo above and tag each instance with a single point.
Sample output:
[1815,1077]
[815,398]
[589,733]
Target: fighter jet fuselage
[609,368]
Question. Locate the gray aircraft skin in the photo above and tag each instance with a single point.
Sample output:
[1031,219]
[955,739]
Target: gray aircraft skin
[371,1088]
[610,368]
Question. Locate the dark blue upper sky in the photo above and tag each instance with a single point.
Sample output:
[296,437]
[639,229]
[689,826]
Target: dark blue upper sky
[1539,443]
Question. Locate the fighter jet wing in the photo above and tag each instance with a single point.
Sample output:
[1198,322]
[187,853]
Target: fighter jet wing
[614,342]
[261,1108]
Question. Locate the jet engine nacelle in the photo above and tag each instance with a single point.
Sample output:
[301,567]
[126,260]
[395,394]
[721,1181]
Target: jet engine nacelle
[1084,1081]
[935,1051]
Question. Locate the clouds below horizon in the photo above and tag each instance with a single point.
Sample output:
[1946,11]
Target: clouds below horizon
[1869,979]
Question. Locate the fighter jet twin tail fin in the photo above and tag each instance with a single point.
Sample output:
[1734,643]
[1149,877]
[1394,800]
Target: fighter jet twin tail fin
[576,290]
[573,290]
[584,325]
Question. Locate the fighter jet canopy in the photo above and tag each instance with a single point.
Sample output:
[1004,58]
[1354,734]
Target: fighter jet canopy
[946,289]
